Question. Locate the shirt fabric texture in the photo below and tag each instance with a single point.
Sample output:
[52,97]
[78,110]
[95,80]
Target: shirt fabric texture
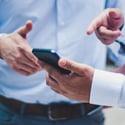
[57,24]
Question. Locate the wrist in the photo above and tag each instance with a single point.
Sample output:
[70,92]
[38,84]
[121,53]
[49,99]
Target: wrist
[89,85]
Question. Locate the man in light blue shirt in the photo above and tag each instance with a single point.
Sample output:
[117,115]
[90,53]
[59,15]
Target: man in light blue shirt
[55,24]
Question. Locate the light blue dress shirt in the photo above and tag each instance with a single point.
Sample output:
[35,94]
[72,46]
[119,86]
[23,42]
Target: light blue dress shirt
[57,24]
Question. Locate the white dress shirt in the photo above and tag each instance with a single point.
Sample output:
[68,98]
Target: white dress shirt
[108,89]
[57,24]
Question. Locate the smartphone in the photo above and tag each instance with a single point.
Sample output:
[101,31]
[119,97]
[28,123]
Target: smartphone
[49,56]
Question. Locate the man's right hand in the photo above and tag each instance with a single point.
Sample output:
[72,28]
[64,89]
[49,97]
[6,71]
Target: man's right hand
[76,85]
[17,53]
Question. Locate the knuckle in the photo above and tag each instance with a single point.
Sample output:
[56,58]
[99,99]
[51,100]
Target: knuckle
[107,42]
[20,47]
[18,58]
[14,67]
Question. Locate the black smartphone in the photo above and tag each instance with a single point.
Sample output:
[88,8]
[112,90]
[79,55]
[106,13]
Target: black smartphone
[49,56]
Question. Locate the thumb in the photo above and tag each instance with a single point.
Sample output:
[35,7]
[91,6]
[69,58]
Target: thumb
[116,18]
[71,66]
[25,29]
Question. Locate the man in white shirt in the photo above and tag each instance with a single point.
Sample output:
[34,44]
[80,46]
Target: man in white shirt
[55,24]
[89,84]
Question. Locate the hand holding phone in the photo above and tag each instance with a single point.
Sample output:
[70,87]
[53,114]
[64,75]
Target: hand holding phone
[49,56]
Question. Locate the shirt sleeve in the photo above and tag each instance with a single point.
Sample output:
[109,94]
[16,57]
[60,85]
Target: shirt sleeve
[107,88]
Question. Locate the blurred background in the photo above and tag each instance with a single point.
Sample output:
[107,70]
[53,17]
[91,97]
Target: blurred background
[114,116]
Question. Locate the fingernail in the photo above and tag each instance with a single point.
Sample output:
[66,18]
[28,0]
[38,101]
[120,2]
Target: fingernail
[63,63]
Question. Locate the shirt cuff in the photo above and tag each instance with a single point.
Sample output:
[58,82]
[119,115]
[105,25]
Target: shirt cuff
[106,88]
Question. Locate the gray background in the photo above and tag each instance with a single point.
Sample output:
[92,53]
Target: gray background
[114,116]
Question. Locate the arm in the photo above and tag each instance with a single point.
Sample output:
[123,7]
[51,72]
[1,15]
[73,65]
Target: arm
[86,84]
[17,53]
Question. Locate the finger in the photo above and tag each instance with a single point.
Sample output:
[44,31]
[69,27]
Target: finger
[104,39]
[29,58]
[21,71]
[51,82]
[25,68]
[27,64]
[56,90]
[107,41]
[52,71]
[71,65]
[55,85]
[104,32]
[95,24]
[25,29]
[116,18]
